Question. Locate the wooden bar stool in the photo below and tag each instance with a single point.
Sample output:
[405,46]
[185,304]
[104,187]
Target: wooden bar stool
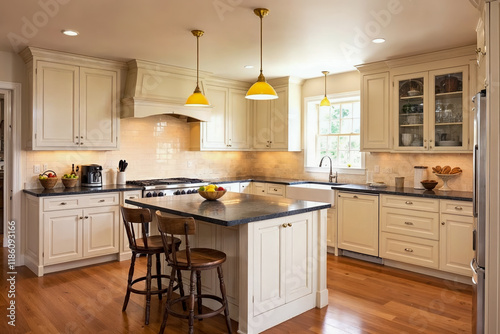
[195,260]
[147,245]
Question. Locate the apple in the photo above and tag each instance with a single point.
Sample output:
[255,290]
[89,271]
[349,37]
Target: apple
[220,189]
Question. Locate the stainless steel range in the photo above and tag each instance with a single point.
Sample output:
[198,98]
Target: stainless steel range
[168,187]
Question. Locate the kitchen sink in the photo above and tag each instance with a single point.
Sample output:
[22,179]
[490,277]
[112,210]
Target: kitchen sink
[312,192]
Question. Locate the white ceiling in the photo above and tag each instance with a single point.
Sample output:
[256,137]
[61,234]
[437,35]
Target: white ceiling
[301,38]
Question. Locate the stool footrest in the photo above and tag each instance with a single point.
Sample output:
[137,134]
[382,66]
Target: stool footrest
[196,316]
[153,292]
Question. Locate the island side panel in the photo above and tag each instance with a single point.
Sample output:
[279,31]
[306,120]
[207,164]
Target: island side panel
[322,291]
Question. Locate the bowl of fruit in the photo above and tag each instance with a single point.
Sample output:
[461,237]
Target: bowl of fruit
[48,179]
[211,192]
[69,180]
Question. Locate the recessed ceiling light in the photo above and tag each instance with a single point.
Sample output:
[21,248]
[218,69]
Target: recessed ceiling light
[378,40]
[70,32]
[248,66]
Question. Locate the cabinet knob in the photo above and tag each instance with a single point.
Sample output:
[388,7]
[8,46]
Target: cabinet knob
[458,208]
[284,225]
[354,196]
[408,223]
[81,137]
[409,202]
[86,217]
[430,146]
[442,223]
[409,250]
[81,143]
[289,224]
[425,146]
[430,140]
[275,189]
[80,217]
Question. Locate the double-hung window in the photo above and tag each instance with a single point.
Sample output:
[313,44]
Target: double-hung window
[334,131]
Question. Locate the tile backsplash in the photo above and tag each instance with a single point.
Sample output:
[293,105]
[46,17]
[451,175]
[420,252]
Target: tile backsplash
[158,147]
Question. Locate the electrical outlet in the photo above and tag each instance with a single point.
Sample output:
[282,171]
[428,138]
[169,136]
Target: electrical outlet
[45,167]
[387,170]
[376,169]
[36,169]
[189,164]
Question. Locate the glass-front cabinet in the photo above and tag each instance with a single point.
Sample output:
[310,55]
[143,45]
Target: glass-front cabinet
[432,110]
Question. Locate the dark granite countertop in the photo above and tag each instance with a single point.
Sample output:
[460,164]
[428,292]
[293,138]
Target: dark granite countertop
[263,179]
[453,195]
[62,191]
[230,210]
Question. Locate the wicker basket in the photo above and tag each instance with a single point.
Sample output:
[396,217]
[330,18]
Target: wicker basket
[48,183]
[69,183]
[212,195]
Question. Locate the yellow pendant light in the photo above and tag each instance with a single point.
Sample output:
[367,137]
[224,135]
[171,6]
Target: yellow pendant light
[261,90]
[325,102]
[197,99]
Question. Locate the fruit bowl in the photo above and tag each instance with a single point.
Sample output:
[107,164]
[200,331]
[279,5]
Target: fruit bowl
[212,195]
[429,184]
[69,182]
[48,183]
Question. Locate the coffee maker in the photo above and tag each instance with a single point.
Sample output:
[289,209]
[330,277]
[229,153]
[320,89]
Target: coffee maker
[91,175]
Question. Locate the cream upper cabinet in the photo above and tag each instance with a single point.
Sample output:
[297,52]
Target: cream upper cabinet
[229,125]
[80,92]
[432,110]
[358,222]
[375,113]
[277,123]
[419,103]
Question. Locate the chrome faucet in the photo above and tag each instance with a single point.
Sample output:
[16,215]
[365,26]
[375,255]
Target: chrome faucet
[331,176]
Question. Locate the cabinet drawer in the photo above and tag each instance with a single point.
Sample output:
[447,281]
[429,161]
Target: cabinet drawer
[409,202]
[62,203]
[410,222]
[456,207]
[418,251]
[104,199]
[276,189]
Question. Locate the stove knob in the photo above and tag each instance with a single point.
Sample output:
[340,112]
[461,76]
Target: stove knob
[148,194]
[183,192]
[177,192]
[161,193]
[155,194]
[189,191]
[195,191]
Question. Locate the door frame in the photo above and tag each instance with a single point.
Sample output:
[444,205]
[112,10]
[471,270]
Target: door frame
[12,158]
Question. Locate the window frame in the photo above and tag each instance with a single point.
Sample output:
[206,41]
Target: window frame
[334,98]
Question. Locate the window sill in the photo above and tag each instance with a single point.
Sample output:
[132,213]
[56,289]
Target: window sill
[340,170]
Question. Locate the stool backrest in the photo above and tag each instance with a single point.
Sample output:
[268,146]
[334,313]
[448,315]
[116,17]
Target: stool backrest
[169,226]
[141,217]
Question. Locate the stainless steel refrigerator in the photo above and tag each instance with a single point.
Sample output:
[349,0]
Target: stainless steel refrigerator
[478,263]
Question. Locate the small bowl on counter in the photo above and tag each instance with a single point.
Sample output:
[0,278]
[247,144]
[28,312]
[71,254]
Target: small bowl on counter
[429,184]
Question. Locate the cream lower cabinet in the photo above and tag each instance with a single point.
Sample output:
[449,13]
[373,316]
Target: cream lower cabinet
[358,222]
[69,231]
[268,189]
[409,230]
[282,262]
[455,248]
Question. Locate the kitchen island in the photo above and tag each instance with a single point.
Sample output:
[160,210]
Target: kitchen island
[275,247]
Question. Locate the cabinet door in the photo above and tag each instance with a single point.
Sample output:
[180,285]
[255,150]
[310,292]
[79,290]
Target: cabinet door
[57,102]
[455,244]
[279,120]
[375,113]
[449,101]
[98,111]
[62,236]
[233,187]
[358,223]
[262,124]
[298,250]
[238,120]
[246,187]
[124,242]
[410,111]
[269,266]
[100,235]
[214,131]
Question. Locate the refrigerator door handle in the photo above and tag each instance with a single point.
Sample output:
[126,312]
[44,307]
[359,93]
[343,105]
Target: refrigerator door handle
[473,265]
[474,181]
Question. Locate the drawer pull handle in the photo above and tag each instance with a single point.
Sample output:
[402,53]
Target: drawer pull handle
[275,189]
[102,200]
[408,223]
[284,225]
[409,250]
[354,196]
[289,224]
[409,202]
[63,203]
[458,208]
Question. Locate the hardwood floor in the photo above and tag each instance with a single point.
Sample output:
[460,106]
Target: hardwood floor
[363,298]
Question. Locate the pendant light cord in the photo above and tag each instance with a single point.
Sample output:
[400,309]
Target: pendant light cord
[261,44]
[197,61]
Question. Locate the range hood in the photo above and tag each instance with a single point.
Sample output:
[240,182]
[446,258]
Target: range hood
[158,89]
